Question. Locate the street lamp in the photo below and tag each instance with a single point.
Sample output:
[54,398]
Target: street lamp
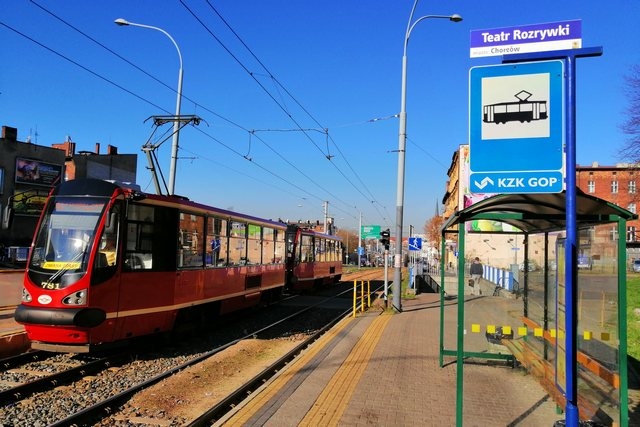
[176,121]
[402,143]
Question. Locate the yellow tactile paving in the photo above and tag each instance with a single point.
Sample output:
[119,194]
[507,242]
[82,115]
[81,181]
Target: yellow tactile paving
[245,413]
[333,400]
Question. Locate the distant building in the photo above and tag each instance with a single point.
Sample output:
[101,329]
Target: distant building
[453,198]
[616,184]
[92,164]
[28,172]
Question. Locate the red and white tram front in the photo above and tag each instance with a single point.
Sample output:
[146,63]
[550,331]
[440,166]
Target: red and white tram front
[61,299]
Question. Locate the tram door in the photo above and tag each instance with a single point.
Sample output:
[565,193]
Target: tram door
[105,278]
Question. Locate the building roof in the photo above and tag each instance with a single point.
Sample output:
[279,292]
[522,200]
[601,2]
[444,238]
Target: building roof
[538,213]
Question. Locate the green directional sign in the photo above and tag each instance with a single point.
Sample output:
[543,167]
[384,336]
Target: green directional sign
[370,231]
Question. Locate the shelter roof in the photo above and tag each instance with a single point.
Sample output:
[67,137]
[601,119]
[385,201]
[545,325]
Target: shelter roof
[538,213]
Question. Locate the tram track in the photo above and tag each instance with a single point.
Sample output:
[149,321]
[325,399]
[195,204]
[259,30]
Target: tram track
[100,395]
[23,375]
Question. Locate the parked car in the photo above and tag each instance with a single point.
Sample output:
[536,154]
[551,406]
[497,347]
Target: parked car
[635,266]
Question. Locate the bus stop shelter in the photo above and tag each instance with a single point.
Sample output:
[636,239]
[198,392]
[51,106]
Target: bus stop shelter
[523,321]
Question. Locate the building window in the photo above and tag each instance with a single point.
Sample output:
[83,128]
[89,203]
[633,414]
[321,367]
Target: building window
[613,233]
[631,234]
[632,207]
[592,186]
[632,187]
[614,187]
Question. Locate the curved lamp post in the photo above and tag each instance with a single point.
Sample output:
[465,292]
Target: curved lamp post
[402,143]
[176,122]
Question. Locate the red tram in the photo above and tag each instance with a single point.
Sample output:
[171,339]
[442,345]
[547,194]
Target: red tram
[109,263]
[313,259]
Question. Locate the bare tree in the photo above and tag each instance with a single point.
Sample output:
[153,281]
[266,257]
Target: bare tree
[630,151]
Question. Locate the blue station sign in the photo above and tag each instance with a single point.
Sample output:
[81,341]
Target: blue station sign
[516,137]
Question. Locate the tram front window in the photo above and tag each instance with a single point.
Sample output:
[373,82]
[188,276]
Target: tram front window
[66,233]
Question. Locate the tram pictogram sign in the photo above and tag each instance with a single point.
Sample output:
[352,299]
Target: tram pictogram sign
[516,136]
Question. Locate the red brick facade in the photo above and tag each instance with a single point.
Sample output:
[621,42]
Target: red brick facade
[618,184]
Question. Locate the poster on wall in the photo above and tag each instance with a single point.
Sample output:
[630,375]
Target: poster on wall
[30,202]
[36,172]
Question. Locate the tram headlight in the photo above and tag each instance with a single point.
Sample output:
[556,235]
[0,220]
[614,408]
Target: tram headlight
[76,298]
[26,296]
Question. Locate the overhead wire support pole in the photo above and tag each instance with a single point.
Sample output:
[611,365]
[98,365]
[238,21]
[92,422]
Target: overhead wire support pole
[150,149]
[569,57]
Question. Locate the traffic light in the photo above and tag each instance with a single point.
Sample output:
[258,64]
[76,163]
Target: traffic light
[385,236]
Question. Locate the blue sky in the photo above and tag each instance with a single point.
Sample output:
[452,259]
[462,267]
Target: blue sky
[305,114]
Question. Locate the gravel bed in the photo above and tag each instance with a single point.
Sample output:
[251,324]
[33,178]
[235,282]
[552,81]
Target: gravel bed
[39,368]
[45,408]
[48,407]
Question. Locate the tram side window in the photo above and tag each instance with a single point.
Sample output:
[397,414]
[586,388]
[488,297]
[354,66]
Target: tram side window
[139,238]
[268,247]
[324,250]
[254,244]
[107,255]
[306,248]
[190,240]
[148,231]
[331,248]
[279,252]
[108,249]
[217,242]
[319,249]
[238,243]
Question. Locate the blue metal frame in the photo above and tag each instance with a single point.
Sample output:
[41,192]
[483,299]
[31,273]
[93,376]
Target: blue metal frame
[569,57]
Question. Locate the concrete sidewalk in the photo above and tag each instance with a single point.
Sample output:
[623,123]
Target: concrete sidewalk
[383,369]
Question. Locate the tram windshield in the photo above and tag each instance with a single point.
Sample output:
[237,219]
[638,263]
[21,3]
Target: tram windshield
[66,233]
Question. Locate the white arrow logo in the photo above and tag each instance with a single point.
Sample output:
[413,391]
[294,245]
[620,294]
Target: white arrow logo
[484,182]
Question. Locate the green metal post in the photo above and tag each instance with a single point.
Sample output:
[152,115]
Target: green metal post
[460,346]
[443,248]
[622,322]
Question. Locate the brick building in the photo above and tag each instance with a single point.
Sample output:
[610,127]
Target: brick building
[453,199]
[616,184]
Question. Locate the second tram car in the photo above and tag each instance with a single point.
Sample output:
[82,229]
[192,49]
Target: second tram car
[313,259]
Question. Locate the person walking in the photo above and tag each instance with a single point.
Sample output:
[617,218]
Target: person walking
[476,271]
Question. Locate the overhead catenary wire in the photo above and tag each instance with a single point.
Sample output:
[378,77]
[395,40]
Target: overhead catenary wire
[77,64]
[323,130]
[275,80]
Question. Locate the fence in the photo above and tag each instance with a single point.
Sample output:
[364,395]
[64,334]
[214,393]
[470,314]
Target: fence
[506,279]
